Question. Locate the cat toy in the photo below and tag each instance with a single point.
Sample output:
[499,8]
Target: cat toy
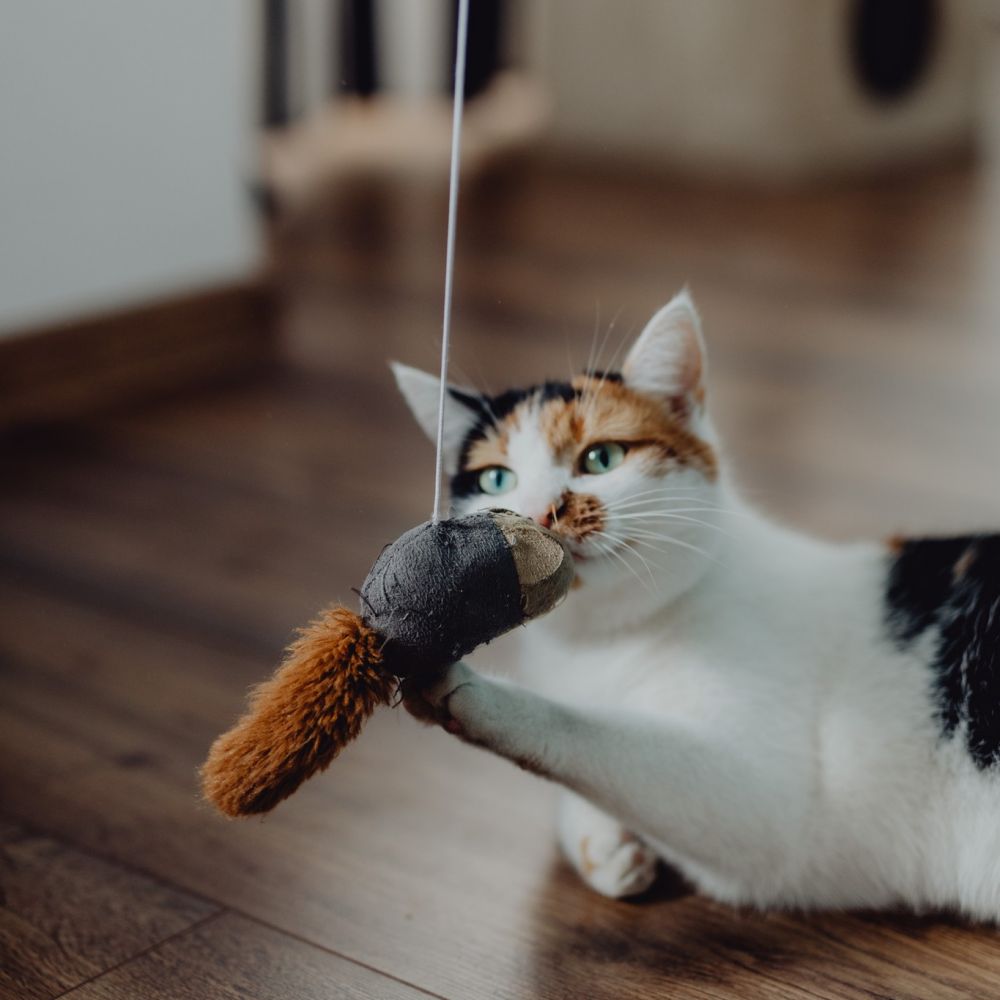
[434,595]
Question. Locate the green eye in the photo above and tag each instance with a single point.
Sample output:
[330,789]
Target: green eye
[496,479]
[601,458]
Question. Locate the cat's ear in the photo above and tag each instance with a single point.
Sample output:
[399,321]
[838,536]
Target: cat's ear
[463,408]
[668,359]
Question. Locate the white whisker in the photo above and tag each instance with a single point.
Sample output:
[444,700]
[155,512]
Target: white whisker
[664,516]
[591,354]
[661,512]
[676,541]
[622,545]
[653,504]
[606,368]
[608,548]
[691,493]
[641,510]
[641,559]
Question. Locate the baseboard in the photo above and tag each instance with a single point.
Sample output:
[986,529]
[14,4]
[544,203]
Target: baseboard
[78,368]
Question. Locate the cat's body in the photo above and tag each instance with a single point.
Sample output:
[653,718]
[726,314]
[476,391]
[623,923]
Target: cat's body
[787,721]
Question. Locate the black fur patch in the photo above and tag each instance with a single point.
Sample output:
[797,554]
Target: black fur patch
[465,484]
[491,410]
[954,584]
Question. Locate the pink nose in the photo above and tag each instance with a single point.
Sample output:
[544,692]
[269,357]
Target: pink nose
[550,516]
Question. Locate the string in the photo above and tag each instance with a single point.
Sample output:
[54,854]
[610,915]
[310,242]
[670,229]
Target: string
[449,261]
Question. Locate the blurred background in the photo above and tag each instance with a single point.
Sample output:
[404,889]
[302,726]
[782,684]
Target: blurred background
[217,224]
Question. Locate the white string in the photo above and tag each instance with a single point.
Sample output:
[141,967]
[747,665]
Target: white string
[449,262]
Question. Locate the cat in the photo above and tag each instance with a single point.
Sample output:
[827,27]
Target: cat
[788,722]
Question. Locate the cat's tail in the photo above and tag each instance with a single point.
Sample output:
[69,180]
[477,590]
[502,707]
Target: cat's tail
[318,700]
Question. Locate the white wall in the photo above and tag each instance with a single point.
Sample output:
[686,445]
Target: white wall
[126,130]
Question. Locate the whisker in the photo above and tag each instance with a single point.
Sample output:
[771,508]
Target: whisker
[607,336]
[642,559]
[668,492]
[483,390]
[680,514]
[627,543]
[652,504]
[641,510]
[592,355]
[609,549]
[685,504]
[606,368]
[665,487]
[569,358]
[676,541]
[663,516]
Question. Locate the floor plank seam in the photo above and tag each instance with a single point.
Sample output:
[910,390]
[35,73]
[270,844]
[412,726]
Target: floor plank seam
[144,951]
[338,954]
[111,859]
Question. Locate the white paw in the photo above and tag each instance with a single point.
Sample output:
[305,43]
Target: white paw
[616,864]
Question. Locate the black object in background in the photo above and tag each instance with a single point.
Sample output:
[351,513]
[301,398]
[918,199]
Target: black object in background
[484,48]
[357,51]
[892,44]
[275,76]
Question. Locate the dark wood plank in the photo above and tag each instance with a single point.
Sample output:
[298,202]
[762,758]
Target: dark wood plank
[153,562]
[67,916]
[232,957]
[395,852]
[77,368]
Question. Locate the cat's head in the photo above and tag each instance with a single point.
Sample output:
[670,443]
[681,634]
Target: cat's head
[622,464]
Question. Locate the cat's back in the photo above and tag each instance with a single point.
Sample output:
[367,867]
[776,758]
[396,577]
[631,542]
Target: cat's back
[943,600]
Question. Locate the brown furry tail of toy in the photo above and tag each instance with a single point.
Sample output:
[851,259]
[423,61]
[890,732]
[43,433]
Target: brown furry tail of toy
[318,700]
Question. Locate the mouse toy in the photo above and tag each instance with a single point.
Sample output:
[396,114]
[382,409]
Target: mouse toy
[434,595]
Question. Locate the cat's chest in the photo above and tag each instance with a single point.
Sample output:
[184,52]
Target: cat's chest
[648,669]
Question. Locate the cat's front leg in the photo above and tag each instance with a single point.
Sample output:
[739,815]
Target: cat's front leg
[731,808]
[607,856]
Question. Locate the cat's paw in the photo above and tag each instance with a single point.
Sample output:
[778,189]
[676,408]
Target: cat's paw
[429,702]
[617,866]
[608,857]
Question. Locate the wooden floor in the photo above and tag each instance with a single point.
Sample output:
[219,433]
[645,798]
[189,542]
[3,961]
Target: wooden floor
[154,562]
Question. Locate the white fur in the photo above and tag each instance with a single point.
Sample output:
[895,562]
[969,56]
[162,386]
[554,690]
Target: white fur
[740,709]
[669,358]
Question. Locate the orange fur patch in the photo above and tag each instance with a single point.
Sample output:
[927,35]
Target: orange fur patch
[606,411]
[612,412]
[489,450]
[298,721]
[564,427]
[578,516]
[895,544]
[964,564]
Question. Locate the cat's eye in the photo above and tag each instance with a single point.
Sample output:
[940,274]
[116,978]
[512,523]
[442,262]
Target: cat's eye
[603,457]
[496,480]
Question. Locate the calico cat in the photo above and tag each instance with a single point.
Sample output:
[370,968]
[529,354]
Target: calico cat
[789,722]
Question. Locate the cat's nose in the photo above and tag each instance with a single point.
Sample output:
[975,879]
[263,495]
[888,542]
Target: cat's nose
[550,518]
